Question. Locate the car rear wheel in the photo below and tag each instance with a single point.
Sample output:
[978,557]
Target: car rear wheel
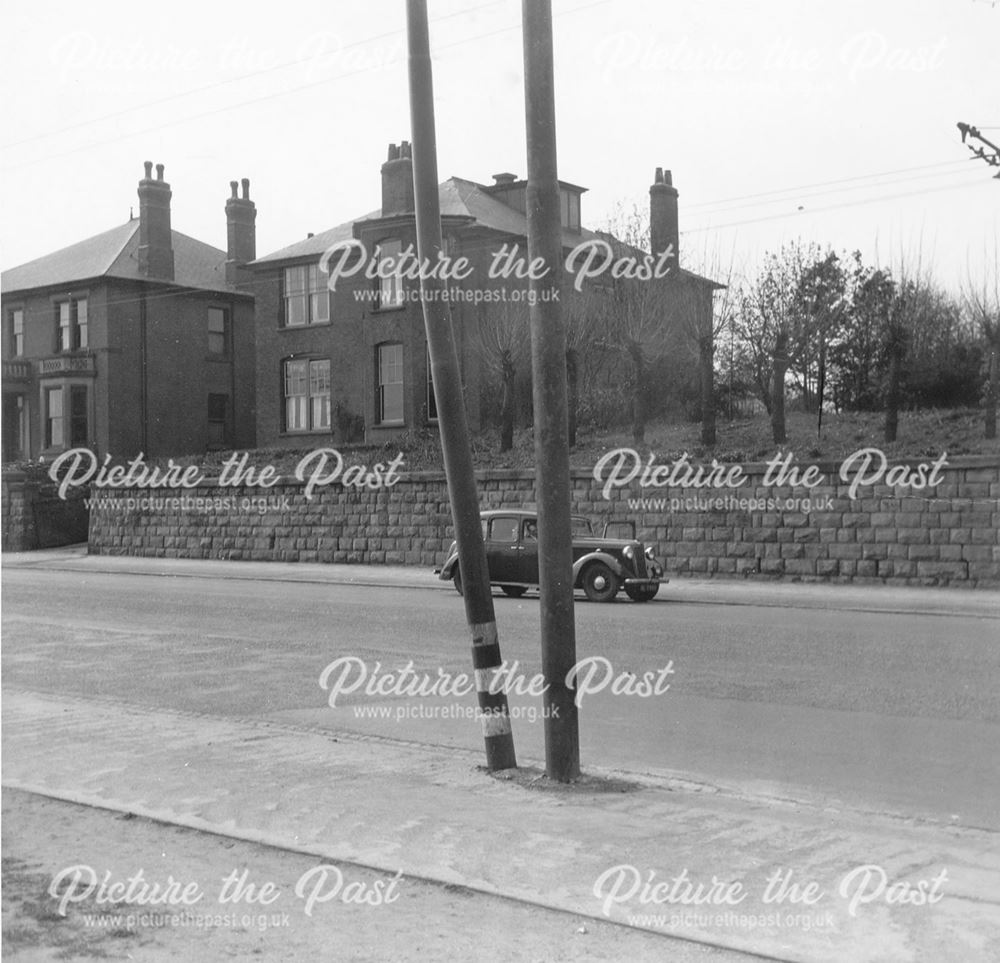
[514,591]
[600,583]
[457,580]
[641,593]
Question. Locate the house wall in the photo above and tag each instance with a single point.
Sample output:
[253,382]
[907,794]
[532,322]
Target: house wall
[350,341]
[41,334]
[948,537]
[180,371]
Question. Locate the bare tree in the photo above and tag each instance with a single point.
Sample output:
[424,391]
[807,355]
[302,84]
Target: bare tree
[503,341]
[583,312]
[709,310]
[822,297]
[673,315]
[982,301]
[908,312]
[639,316]
[769,321]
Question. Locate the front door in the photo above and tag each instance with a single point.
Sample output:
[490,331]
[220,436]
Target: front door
[15,440]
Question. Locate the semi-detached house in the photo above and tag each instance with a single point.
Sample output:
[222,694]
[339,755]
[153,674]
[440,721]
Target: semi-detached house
[139,339]
[351,364]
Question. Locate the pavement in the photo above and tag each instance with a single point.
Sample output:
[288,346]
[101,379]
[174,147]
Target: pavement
[686,861]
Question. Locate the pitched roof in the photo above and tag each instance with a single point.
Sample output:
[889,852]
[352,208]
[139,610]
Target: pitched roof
[115,254]
[464,199]
[458,198]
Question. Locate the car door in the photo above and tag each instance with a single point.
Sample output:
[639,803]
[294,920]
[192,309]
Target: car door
[503,550]
[528,564]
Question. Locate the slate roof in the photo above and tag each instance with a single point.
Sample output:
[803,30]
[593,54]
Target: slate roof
[115,254]
[458,198]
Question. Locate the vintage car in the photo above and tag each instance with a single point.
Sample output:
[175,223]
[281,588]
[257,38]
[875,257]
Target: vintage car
[601,566]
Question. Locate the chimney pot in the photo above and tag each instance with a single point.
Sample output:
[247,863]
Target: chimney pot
[397,181]
[505,178]
[156,252]
[241,234]
[664,230]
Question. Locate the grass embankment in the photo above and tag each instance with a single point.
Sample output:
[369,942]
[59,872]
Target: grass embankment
[921,434]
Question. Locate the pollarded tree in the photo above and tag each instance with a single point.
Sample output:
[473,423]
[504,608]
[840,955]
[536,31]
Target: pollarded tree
[677,316]
[769,325]
[910,310]
[708,310]
[982,301]
[583,312]
[503,342]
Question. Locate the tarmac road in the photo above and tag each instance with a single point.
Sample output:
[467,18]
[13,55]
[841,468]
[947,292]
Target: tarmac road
[878,711]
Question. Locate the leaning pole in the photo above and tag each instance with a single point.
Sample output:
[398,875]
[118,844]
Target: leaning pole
[448,393]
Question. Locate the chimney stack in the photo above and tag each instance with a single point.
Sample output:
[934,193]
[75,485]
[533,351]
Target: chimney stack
[156,251]
[663,225]
[397,181]
[241,233]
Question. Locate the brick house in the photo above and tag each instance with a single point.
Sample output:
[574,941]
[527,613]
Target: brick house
[137,340]
[351,363]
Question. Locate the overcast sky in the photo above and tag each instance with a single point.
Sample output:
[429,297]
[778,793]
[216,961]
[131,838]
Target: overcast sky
[833,122]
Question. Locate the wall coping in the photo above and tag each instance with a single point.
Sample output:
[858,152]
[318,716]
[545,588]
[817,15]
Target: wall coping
[828,467]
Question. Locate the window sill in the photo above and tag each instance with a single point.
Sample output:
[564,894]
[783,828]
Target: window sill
[389,310]
[305,327]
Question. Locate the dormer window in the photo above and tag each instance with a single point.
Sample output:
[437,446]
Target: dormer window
[512,192]
[569,209]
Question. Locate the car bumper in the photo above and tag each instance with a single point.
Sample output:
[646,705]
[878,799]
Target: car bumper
[641,582]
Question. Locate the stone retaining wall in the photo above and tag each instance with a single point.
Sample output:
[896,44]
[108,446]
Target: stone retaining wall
[946,535]
[35,517]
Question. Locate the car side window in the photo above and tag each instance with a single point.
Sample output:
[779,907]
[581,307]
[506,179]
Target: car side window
[503,530]
[529,531]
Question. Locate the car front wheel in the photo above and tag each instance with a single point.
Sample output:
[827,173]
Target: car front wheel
[600,583]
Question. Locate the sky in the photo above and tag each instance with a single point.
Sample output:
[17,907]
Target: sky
[780,119]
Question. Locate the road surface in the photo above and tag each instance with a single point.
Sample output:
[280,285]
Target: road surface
[877,711]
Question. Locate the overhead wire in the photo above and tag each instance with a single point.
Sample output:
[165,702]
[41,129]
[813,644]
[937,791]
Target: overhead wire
[833,207]
[830,183]
[274,95]
[234,80]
